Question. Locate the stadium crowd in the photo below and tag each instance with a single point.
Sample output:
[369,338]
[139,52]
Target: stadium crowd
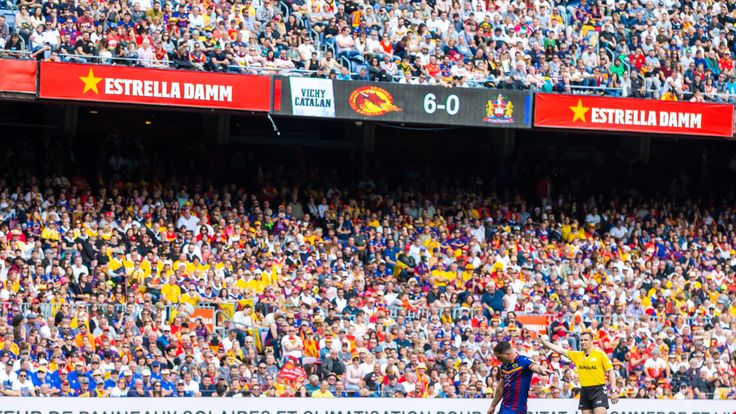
[660,49]
[330,287]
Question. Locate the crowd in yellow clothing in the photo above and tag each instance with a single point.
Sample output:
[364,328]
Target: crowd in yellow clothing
[300,280]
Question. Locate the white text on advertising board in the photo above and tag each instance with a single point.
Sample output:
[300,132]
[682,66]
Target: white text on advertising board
[168,90]
[646,118]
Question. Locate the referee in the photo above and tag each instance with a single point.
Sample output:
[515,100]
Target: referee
[593,367]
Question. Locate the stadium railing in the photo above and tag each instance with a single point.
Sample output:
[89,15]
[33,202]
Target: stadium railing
[276,71]
[49,310]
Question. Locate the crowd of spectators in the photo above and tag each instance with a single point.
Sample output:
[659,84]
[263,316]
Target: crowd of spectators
[329,287]
[663,49]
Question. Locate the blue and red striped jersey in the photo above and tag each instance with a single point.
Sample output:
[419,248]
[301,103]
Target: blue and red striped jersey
[517,380]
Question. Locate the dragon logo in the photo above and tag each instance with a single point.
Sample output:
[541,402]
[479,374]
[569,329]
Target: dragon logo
[372,101]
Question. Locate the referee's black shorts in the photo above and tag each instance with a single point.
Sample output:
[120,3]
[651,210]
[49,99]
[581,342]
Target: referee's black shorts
[593,397]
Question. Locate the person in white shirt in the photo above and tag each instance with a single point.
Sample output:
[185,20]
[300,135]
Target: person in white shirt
[589,58]
[433,22]
[229,340]
[190,384]
[195,19]
[292,344]
[189,221]
[120,389]
[145,54]
[242,319]
[7,375]
[283,62]
[346,44]
[593,217]
[79,268]
[373,43]
[305,49]
[655,366]
[23,385]
[619,232]
[51,36]
[443,24]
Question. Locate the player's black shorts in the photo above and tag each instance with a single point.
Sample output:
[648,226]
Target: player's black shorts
[593,397]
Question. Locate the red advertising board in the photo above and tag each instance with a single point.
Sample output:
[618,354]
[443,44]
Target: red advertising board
[121,84]
[18,75]
[633,115]
[534,323]
[207,315]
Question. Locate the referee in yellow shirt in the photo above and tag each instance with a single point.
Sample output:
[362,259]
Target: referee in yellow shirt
[593,367]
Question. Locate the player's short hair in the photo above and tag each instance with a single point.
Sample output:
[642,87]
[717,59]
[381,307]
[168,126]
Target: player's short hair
[501,347]
[590,334]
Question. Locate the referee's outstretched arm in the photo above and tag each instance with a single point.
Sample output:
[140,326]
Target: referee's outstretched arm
[554,347]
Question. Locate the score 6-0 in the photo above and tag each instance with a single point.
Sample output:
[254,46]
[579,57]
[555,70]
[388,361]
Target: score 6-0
[451,105]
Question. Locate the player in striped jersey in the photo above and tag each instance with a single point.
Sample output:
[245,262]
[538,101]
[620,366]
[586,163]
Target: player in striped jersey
[516,377]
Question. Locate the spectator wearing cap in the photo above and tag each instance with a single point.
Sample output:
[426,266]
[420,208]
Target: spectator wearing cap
[66,389]
[180,390]
[84,390]
[146,378]
[42,377]
[167,385]
[129,378]
[99,389]
[78,372]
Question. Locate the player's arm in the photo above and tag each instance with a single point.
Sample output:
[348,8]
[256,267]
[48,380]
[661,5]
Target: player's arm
[539,369]
[554,347]
[497,395]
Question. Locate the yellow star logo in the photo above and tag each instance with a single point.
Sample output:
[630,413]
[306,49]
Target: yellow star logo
[579,111]
[90,82]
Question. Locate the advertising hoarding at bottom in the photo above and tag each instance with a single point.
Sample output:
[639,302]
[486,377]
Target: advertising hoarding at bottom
[339,406]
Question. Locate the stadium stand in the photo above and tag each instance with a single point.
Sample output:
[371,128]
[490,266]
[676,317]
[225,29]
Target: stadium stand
[665,49]
[323,285]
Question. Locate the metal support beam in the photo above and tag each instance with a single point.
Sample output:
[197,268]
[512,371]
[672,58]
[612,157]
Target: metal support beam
[217,125]
[504,142]
[369,137]
[639,147]
[223,129]
[645,149]
[71,117]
